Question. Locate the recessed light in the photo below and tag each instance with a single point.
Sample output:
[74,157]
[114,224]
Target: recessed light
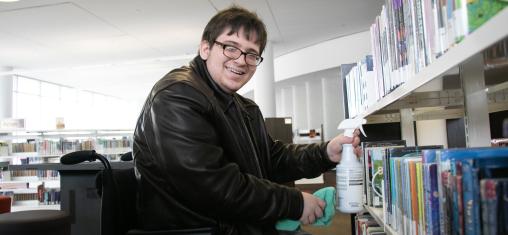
[9,0]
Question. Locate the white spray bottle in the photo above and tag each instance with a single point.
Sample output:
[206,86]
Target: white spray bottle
[350,171]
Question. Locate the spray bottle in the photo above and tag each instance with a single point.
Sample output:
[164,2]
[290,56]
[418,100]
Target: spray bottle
[350,171]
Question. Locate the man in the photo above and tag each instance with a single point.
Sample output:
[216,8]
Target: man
[203,153]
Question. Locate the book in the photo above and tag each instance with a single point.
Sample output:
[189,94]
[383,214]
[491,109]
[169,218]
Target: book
[421,202]
[477,164]
[400,207]
[480,11]
[489,189]
[373,161]
[431,194]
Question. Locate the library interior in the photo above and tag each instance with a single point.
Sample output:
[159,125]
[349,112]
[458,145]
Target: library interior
[428,80]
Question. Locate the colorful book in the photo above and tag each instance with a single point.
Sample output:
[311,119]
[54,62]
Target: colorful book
[480,11]
[431,194]
[373,161]
[477,163]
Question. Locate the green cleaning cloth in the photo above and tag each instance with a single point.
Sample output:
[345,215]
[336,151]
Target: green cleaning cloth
[326,194]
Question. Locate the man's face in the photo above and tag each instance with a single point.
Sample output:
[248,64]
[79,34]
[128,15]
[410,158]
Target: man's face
[229,74]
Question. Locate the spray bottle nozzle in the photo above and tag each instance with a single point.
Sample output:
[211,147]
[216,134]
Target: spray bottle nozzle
[350,125]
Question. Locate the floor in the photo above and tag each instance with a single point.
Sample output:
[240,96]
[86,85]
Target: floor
[341,225]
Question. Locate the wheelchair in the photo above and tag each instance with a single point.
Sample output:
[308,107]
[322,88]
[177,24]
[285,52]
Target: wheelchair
[118,190]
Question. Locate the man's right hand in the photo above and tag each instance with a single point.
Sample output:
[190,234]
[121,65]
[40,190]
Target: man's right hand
[312,208]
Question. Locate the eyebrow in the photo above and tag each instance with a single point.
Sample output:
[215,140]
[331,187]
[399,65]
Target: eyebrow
[249,50]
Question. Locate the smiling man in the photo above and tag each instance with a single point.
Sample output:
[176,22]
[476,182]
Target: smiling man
[202,151]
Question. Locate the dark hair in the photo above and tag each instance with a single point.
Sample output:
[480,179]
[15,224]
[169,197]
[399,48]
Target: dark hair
[236,18]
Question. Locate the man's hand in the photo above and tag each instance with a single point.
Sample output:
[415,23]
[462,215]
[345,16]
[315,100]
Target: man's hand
[334,148]
[312,208]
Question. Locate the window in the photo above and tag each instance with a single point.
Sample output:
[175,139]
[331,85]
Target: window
[41,103]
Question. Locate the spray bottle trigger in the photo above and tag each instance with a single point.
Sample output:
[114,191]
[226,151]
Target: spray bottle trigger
[363,132]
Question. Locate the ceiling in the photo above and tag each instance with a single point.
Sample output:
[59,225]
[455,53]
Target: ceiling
[122,47]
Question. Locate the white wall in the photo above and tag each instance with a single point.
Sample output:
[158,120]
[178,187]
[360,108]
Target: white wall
[329,54]
[432,132]
[311,100]
[307,82]
[314,97]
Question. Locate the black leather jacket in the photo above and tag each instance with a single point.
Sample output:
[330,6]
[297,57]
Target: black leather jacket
[206,159]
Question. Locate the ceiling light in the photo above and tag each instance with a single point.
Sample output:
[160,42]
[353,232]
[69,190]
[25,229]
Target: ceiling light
[9,0]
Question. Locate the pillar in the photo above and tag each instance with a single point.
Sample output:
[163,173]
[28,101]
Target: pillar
[6,81]
[264,83]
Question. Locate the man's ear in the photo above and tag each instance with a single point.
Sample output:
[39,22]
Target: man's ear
[204,49]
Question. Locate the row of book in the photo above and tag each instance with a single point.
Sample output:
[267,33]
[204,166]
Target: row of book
[358,84]
[44,196]
[113,143]
[430,190]
[63,146]
[40,174]
[4,149]
[22,160]
[409,35]
[497,54]
[373,154]
[48,196]
[365,224]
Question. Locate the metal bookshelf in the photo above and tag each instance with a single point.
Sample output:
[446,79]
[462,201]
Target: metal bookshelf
[489,33]
[467,57]
[36,161]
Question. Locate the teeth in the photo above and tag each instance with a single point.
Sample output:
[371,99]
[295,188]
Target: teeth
[235,71]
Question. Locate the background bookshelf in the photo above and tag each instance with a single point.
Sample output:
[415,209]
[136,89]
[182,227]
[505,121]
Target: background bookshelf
[481,80]
[30,161]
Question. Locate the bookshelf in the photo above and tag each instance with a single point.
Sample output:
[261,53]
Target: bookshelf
[38,207]
[488,34]
[29,162]
[465,58]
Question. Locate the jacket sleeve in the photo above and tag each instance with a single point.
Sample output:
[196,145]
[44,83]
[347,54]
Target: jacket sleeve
[296,161]
[189,159]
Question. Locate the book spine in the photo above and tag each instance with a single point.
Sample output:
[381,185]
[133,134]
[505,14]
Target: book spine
[414,196]
[504,220]
[489,206]
[460,206]
[468,197]
[421,206]
[443,173]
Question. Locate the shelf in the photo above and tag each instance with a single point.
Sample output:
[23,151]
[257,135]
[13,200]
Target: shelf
[20,190]
[35,207]
[103,151]
[27,134]
[80,166]
[389,230]
[377,214]
[488,34]
[29,154]
[71,131]
[119,150]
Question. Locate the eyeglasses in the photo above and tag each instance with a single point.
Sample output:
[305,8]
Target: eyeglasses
[234,53]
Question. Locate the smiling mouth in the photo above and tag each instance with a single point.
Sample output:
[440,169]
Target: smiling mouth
[235,71]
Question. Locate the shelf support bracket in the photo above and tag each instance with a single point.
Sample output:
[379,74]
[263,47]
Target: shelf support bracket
[476,106]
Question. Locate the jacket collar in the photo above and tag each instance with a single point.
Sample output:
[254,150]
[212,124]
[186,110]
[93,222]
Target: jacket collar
[225,99]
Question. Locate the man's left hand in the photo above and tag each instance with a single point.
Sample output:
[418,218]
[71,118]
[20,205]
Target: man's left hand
[334,148]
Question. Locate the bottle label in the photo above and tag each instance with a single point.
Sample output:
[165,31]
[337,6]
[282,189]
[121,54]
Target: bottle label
[349,177]
[349,187]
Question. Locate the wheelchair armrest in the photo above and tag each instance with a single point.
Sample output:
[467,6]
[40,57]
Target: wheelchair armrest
[194,231]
